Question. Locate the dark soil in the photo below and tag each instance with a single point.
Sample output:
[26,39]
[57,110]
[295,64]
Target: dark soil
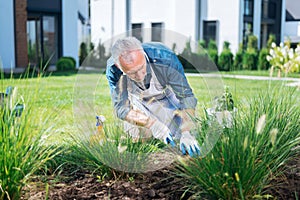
[157,185]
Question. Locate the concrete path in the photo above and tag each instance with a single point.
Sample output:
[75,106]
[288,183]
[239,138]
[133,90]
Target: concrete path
[294,81]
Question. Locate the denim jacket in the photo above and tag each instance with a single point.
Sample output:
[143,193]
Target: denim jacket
[168,70]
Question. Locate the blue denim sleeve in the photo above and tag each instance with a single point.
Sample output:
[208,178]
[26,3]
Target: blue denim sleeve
[178,82]
[170,72]
[118,89]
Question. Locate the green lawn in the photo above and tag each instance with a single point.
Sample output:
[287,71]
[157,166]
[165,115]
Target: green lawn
[82,96]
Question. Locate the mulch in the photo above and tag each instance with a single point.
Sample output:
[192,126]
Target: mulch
[157,185]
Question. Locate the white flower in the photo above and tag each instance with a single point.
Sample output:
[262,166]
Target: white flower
[291,53]
[272,53]
[281,59]
[273,45]
[281,44]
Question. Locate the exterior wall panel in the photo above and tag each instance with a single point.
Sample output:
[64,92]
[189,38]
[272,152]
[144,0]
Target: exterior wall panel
[7,36]
[20,31]
[70,31]
[227,13]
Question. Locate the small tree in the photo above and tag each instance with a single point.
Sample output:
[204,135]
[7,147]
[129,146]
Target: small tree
[82,52]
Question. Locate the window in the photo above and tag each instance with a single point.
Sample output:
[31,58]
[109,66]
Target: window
[137,31]
[50,39]
[42,39]
[248,7]
[156,32]
[272,10]
[210,31]
[34,40]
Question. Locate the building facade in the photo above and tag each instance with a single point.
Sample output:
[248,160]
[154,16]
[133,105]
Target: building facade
[292,25]
[34,31]
[160,20]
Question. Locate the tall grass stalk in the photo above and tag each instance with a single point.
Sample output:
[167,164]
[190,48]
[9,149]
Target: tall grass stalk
[23,140]
[117,152]
[262,141]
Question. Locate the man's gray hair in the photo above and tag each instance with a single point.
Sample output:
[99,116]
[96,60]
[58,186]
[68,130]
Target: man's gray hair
[124,46]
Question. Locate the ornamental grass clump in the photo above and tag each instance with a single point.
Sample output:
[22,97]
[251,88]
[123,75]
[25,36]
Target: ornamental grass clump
[250,153]
[117,152]
[23,137]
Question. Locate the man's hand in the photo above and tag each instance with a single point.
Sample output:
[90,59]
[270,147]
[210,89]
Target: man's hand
[137,117]
[162,132]
[189,144]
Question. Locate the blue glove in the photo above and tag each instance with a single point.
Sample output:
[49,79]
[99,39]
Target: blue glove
[162,132]
[188,144]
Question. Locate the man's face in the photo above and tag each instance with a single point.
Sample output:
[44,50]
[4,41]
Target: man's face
[134,65]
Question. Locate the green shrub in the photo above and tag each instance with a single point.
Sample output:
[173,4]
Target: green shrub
[250,59]
[252,42]
[65,63]
[200,60]
[213,54]
[263,64]
[226,58]
[201,45]
[72,59]
[213,51]
[238,58]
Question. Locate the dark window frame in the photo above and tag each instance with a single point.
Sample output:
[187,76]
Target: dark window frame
[157,31]
[208,33]
[137,31]
[45,8]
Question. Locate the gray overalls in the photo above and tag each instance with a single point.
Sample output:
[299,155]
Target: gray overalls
[157,102]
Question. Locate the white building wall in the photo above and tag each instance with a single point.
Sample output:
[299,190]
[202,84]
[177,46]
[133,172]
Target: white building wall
[227,13]
[177,16]
[83,7]
[154,11]
[70,31]
[7,37]
[83,29]
[257,20]
[185,23]
[108,20]
[283,16]
[292,29]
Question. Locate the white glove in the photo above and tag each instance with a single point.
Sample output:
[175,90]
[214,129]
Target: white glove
[189,144]
[162,132]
